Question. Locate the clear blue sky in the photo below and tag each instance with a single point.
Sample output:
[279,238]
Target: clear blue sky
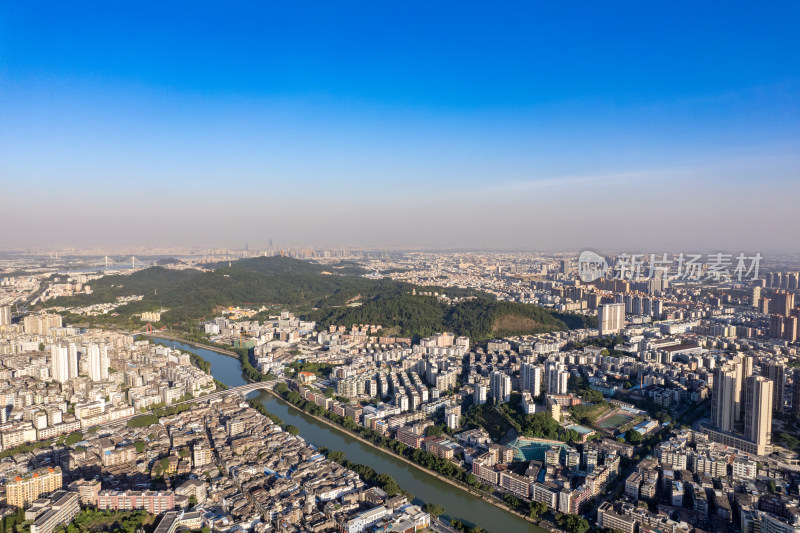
[406,123]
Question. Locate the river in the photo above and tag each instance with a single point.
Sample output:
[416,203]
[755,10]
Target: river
[459,504]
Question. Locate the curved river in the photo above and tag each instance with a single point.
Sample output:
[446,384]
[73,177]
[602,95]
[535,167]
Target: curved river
[459,504]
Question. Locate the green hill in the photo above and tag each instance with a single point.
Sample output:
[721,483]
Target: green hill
[192,294]
[480,318]
[317,292]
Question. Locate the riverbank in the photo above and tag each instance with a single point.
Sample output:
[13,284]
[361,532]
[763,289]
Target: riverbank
[461,503]
[482,496]
[196,344]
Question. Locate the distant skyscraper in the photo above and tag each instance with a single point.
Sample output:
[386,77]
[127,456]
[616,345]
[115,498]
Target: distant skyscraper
[755,296]
[658,308]
[611,318]
[531,379]
[790,328]
[783,327]
[758,412]
[776,373]
[59,364]
[500,387]
[782,303]
[796,391]
[5,315]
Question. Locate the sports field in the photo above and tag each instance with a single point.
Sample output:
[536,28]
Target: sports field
[615,421]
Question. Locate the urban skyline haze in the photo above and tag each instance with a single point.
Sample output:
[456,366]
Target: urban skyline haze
[659,127]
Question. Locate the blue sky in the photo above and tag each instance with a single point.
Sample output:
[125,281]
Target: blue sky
[400,124]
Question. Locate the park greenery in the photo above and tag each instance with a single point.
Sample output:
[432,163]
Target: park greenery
[13,521]
[112,521]
[368,474]
[157,413]
[434,509]
[321,370]
[25,448]
[498,419]
[461,527]
[249,370]
[263,410]
[73,438]
[200,363]
[572,523]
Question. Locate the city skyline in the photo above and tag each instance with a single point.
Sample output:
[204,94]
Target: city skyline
[518,128]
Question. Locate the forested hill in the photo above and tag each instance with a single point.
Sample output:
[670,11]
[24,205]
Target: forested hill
[480,319]
[192,294]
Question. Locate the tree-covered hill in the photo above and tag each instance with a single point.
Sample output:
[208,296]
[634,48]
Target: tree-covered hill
[480,318]
[281,281]
[318,292]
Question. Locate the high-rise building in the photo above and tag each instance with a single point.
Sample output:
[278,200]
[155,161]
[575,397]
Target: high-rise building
[647,307]
[743,367]
[5,315]
[72,357]
[555,377]
[500,387]
[723,398]
[611,318]
[59,363]
[790,328]
[531,379]
[479,395]
[745,363]
[782,303]
[658,308]
[796,391]
[755,296]
[783,327]
[98,361]
[776,373]
[40,324]
[628,301]
[758,412]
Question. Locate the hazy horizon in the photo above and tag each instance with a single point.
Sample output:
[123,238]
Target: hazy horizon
[414,126]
